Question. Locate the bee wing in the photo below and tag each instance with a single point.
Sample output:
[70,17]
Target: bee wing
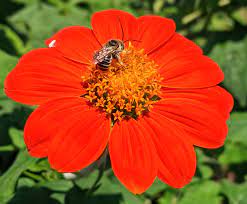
[100,55]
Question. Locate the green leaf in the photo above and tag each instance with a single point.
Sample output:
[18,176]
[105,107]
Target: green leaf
[27,1]
[41,165]
[157,187]
[206,171]
[108,185]
[236,143]
[46,20]
[17,138]
[236,193]
[60,197]
[7,63]
[6,104]
[240,15]
[98,5]
[9,179]
[169,197]
[221,22]
[158,5]
[7,148]
[59,185]
[233,154]
[238,127]
[203,192]
[231,57]
[11,40]
[25,182]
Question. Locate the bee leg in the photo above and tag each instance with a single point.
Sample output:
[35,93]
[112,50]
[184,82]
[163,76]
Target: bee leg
[117,56]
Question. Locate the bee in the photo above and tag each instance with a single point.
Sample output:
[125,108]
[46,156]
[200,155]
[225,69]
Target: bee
[111,50]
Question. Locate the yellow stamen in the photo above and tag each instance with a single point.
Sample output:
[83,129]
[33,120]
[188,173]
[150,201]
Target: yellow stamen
[129,107]
[139,108]
[121,103]
[109,107]
[126,89]
[118,115]
[100,102]
[91,96]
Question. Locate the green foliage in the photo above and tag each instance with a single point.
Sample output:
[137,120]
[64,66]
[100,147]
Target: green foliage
[59,185]
[11,41]
[17,138]
[107,187]
[9,179]
[203,192]
[47,15]
[234,66]
[7,63]
[157,187]
[236,144]
[218,26]
[236,193]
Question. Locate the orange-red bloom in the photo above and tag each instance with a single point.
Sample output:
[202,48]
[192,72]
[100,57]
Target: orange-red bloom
[150,110]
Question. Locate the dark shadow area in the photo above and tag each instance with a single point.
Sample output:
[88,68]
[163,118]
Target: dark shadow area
[33,195]
[8,7]
[77,196]
[17,119]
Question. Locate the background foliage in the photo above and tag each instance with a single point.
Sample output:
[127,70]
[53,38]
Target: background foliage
[219,26]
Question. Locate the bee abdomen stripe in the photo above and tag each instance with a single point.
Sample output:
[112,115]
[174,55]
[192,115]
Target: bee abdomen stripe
[104,64]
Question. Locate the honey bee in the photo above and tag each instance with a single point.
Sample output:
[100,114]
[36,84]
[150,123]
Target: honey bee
[111,50]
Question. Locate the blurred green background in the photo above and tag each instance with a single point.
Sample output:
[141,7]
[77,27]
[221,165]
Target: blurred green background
[218,26]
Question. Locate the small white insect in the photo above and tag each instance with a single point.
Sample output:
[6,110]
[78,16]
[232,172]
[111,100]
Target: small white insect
[52,43]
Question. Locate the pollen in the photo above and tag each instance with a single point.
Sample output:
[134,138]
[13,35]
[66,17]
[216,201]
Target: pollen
[126,89]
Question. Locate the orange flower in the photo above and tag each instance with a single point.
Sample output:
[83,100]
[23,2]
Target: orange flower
[165,77]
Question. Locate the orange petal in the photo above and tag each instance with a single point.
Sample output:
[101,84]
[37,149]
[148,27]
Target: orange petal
[42,75]
[154,31]
[215,97]
[191,71]
[114,24]
[76,43]
[42,124]
[78,138]
[203,123]
[133,156]
[176,155]
[176,46]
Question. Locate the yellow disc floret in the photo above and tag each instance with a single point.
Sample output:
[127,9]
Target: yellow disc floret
[126,89]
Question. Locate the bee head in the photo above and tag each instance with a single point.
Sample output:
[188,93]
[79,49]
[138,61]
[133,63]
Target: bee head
[113,42]
[116,43]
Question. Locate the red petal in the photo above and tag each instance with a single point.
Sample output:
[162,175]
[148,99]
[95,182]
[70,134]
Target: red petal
[44,74]
[79,138]
[192,71]
[133,156]
[203,123]
[45,121]
[114,24]
[177,157]
[215,97]
[176,47]
[154,31]
[76,42]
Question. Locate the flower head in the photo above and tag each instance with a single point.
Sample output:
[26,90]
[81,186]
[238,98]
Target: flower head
[151,105]
[133,83]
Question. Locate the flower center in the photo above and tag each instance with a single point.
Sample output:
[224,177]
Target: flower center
[126,89]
